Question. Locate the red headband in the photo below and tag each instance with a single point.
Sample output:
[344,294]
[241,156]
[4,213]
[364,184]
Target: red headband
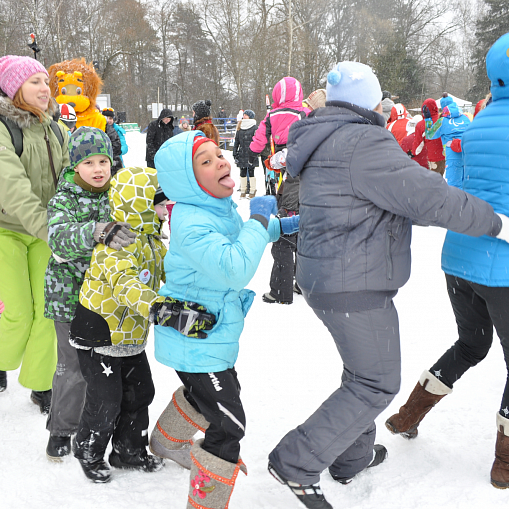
[198,140]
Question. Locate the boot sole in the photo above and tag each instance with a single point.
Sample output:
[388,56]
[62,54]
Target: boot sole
[499,485]
[56,459]
[410,434]
[181,457]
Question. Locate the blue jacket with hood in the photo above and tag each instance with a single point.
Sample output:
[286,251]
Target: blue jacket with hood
[485,260]
[450,128]
[213,255]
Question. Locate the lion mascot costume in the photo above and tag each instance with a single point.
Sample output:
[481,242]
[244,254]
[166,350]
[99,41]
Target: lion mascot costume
[76,83]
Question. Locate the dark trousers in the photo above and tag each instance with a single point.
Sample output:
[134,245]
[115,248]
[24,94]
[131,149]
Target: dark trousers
[119,391]
[477,309]
[284,252]
[217,397]
[244,172]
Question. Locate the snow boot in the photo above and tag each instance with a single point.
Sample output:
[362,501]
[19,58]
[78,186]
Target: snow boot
[310,495]
[267,297]
[172,435]
[500,468]
[380,454]
[252,187]
[58,447]
[243,187]
[42,399]
[135,460]
[90,454]
[426,394]
[212,479]
[3,381]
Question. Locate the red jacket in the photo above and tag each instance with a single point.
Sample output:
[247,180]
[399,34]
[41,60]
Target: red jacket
[434,147]
[397,122]
[407,143]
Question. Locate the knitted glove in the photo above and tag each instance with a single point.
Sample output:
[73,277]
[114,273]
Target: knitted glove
[504,232]
[115,235]
[456,145]
[278,160]
[188,318]
[262,207]
[425,112]
[289,225]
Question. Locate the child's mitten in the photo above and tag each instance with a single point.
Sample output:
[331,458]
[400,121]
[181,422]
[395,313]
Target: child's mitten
[262,207]
[289,225]
[115,234]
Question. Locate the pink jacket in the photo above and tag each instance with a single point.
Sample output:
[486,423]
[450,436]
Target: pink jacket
[287,94]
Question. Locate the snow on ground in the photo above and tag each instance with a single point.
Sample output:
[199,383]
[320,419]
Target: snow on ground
[287,366]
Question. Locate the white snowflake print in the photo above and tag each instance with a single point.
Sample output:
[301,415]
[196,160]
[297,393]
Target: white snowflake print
[356,76]
[438,373]
[506,411]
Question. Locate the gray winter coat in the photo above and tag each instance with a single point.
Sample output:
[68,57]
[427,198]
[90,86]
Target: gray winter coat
[359,193]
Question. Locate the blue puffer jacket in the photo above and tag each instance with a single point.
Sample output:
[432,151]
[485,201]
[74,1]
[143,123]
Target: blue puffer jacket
[213,255]
[450,128]
[483,260]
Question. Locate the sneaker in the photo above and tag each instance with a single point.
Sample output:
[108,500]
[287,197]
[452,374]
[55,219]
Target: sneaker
[296,289]
[379,456]
[3,381]
[309,494]
[58,447]
[267,297]
[141,461]
[42,399]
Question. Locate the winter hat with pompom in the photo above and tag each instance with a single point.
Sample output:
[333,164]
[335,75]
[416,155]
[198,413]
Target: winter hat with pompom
[14,71]
[249,113]
[445,100]
[354,83]
[201,109]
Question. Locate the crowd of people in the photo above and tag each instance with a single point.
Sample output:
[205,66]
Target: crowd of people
[86,268]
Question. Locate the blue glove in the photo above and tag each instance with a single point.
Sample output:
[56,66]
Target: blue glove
[262,207]
[289,225]
[425,112]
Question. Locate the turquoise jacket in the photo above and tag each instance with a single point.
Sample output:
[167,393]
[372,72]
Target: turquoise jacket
[123,143]
[212,257]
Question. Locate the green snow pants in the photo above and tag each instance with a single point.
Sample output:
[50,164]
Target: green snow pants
[26,336]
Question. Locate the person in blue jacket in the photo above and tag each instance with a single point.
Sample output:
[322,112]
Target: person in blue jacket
[475,270]
[212,257]
[450,127]
[109,113]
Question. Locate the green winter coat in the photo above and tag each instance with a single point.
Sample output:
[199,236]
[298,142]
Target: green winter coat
[72,214]
[122,286]
[26,182]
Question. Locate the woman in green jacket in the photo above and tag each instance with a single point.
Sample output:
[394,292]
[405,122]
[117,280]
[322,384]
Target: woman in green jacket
[27,183]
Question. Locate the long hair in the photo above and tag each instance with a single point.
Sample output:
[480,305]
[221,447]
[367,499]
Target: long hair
[19,102]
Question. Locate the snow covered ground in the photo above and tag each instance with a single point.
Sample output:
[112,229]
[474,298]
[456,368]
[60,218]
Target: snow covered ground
[287,365]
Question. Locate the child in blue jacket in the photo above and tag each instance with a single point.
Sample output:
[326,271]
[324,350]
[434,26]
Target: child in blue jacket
[213,255]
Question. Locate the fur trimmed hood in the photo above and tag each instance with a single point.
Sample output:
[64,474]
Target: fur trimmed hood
[23,118]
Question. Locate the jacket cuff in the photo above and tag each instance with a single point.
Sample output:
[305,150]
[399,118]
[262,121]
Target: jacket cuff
[261,219]
[497,226]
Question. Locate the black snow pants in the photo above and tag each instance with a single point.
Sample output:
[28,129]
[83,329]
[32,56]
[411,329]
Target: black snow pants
[284,253]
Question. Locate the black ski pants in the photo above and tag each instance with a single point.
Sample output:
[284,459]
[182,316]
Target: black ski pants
[284,253]
[217,397]
[477,309]
[119,392]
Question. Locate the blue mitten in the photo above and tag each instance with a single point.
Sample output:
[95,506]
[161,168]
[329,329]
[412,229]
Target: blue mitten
[262,207]
[289,225]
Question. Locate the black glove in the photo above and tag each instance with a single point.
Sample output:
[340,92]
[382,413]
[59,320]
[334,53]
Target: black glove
[425,112]
[236,161]
[188,318]
[115,234]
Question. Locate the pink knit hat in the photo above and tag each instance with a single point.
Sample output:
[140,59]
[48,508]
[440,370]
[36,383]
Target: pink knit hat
[15,70]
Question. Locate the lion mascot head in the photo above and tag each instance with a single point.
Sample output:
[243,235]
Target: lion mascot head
[76,83]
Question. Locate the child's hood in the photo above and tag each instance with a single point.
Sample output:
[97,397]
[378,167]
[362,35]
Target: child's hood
[287,92]
[454,110]
[174,163]
[132,194]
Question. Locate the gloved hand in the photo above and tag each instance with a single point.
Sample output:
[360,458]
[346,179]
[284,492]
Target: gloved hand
[252,158]
[456,145]
[115,234]
[263,206]
[289,225]
[425,112]
[278,160]
[446,112]
[236,161]
[188,318]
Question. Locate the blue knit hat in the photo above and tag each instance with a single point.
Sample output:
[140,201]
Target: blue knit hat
[86,142]
[445,101]
[497,67]
[354,83]
[249,113]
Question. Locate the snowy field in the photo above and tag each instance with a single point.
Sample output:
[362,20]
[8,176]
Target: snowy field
[287,365]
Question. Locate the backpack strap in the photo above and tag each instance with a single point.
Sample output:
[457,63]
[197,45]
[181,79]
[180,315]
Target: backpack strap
[15,133]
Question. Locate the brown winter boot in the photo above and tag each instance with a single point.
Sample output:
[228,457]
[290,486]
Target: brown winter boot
[426,394]
[500,468]
[172,435]
[212,479]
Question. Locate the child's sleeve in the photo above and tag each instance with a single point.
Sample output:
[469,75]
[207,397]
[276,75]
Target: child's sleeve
[121,269]
[67,238]
[210,252]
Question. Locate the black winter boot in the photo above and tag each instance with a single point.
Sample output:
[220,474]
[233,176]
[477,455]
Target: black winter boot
[138,460]
[42,399]
[380,454]
[310,495]
[91,460]
[58,447]
[3,381]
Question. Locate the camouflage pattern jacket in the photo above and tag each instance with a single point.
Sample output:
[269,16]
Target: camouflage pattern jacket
[121,286]
[72,214]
